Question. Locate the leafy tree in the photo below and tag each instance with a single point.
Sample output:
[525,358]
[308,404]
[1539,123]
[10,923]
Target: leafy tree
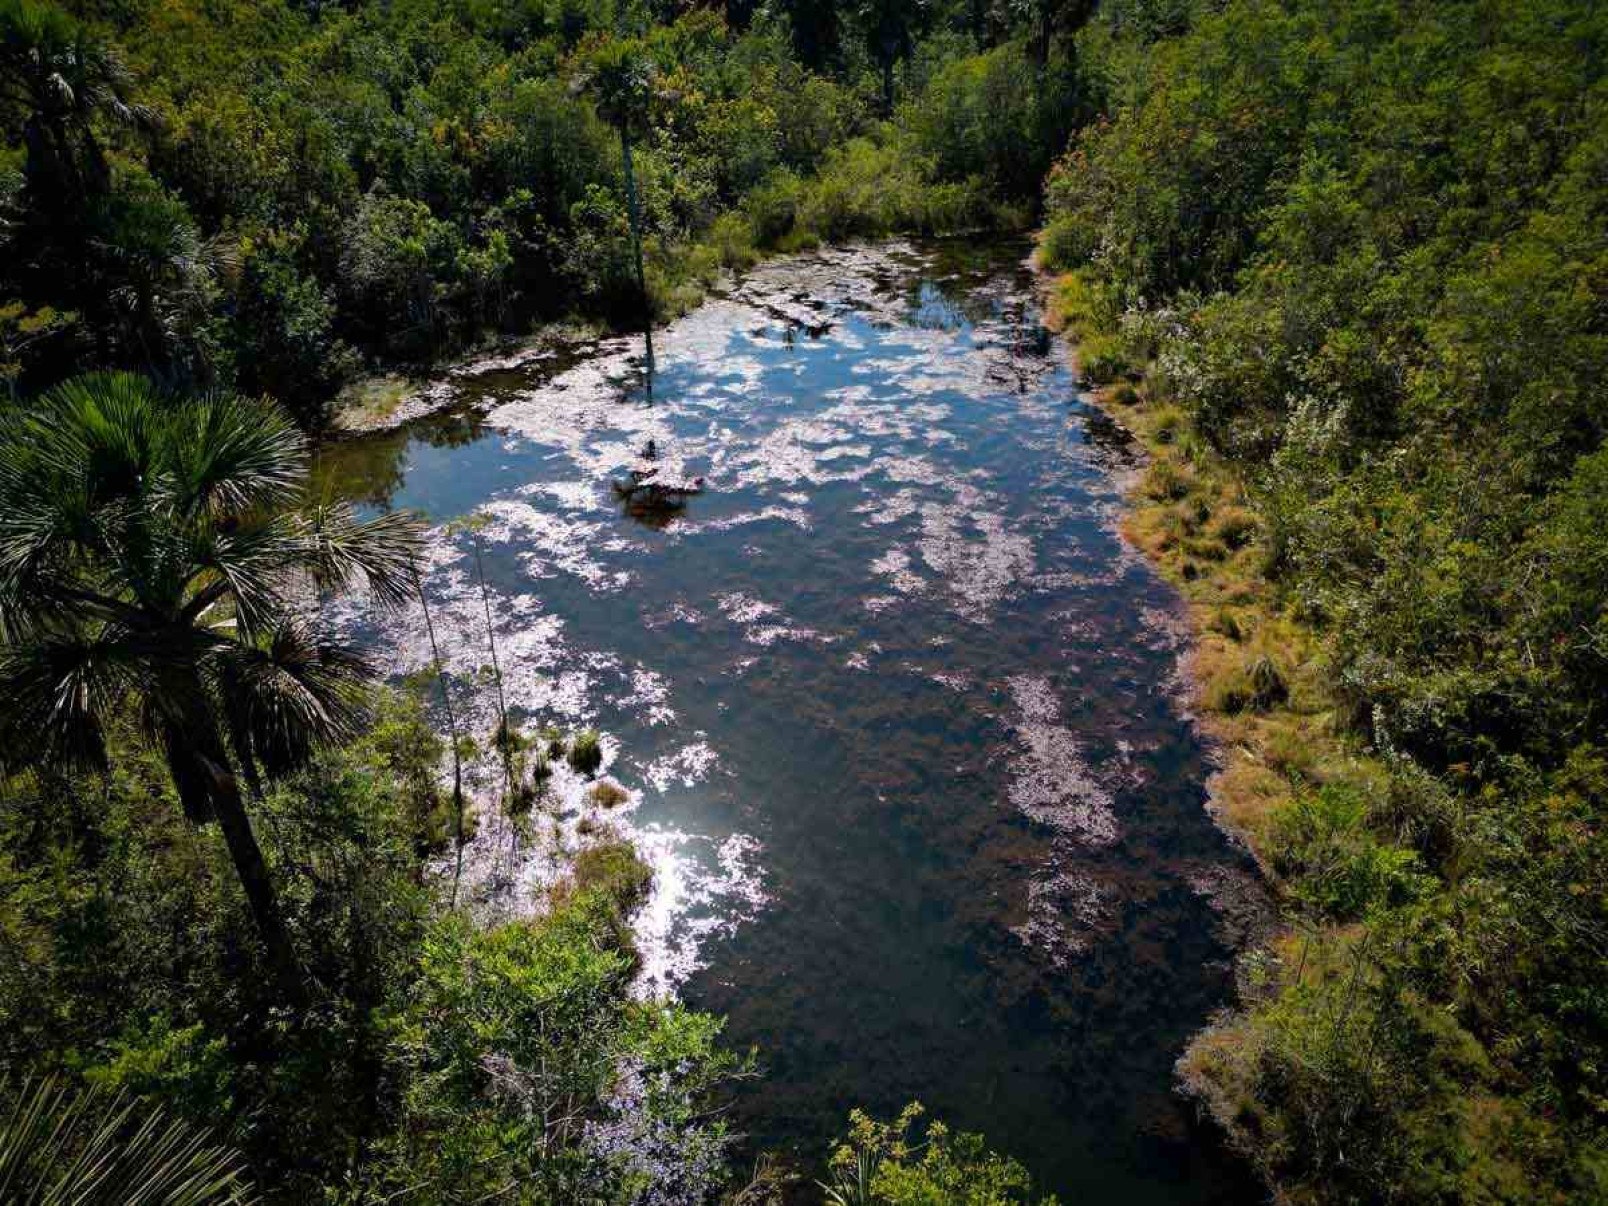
[149,551]
[889,29]
[288,347]
[621,74]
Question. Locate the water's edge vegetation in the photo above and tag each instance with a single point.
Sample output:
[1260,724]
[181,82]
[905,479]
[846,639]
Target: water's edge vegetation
[1342,268]
[1375,419]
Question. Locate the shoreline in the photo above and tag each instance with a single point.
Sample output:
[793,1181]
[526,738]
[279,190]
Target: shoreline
[1255,683]
[388,399]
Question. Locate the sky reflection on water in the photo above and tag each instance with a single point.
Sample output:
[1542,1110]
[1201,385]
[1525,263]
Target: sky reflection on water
[896,707]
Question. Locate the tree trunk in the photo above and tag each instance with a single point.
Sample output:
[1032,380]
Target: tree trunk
[200,768]
[636,244]
[505,736]
[260,895]
[452,731]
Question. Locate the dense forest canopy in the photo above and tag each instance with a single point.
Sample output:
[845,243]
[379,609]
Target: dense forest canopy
[1363,248]
[1350,257]
[269,197]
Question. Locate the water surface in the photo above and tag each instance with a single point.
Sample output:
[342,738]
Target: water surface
[896,706]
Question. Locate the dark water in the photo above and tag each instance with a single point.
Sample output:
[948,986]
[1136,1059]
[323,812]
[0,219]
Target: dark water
[895,704]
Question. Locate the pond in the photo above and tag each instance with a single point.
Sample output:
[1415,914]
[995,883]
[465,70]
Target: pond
[899,713]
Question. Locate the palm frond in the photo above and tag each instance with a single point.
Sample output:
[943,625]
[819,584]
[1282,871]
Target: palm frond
[249,565]
[379,552]
[54,690]
[289,693]
[104,429]
[91,1147]
[232,455]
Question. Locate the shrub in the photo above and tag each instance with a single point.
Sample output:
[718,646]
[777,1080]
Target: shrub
[1267,684]
[1324,846]
[1236,527]
[772,207]
[1166,422]
[1083,306]
[608,795]
[586,752]
[1167,481]
[732,237]
[1063,245]
[885,1163]
[616,870]
[541,769]
[1100,359]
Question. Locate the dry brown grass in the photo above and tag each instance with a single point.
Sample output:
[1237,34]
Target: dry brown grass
[1191,514]
[608,794]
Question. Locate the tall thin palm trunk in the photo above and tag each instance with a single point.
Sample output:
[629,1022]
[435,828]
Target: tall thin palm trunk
[253,871]
[452,732]
[505,736]
[636,242]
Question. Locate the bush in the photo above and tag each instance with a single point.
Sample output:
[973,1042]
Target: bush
[1323,845]
[1267,686]
[1167,481]
[518,1046]
[541,769]
[1083,305]
[608,795]
[1236,526]
[981,118]
[1101,359]
[772,207]
[586,752]
[615,869]
[887,1164]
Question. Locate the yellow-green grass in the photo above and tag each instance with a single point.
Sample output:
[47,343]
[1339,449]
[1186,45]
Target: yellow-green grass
[1191,513]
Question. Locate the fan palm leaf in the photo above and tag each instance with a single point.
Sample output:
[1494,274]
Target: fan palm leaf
[91,1147]
[290,692]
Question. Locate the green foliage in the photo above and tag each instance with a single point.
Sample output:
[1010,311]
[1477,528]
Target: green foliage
[529,1064]
[452,1058]
[1326,847]
[887,1164]
[992,118]
[289,193]
[286,340]
[147,546]
[1362,249]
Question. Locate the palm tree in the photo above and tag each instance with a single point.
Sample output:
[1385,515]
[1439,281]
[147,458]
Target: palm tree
[101,1148]
[150,550]
[63,78]
[622,76]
